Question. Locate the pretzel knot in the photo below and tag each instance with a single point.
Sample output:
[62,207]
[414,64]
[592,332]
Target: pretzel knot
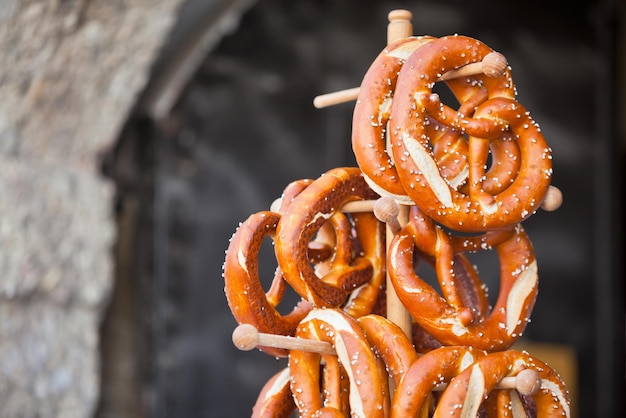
[320,202]
[466,391]
[447,317]
[498,129]
[431,369]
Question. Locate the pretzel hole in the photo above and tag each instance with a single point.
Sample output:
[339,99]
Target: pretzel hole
[529,404]
[425,270]
[445,94]
[284,294]
[324,244]
[486,264]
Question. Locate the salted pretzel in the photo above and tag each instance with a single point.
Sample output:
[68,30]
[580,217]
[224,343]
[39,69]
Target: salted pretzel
[370,129]
[446,317]
[466,391]
[426,373]
[248,301]
[460,284]
[390,344]
[348,237]
[275,399]
[371,114]
[301,221]
[367,384]
[497,121]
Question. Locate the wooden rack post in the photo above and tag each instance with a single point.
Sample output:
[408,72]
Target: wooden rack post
[399,27]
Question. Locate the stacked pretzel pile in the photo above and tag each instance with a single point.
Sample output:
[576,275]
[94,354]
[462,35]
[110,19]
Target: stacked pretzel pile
[370,337]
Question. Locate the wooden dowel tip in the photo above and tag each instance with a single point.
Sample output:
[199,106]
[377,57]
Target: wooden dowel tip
[494,64]
[399,14]
[245,337]
[553,199]
[335,98]
[528,382]
[387,210]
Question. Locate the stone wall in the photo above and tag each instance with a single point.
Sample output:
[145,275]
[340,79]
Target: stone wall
[70,73]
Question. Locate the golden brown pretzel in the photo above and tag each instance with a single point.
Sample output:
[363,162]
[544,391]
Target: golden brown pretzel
[494,123]
[298,226]
[390,344]
[367,396]
[244,292]
[449,145]
[447,318]
[370,128]
[275,400]
[465,393]
[433,368]
[371,114]
[414,88]
[247,300]
[460,284]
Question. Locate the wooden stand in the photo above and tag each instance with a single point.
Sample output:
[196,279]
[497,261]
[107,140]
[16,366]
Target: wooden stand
[395,216]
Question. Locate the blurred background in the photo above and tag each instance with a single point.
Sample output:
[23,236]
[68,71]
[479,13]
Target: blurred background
[243,127]
[226,121]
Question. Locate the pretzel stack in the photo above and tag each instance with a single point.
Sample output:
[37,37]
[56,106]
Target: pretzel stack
[370,336]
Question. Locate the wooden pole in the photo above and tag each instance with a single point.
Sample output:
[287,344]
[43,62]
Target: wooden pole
[399,27]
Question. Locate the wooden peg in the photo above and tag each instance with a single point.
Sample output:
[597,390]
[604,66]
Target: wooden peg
[399,26]
[359,206]
[387,210]
[527,382]
[492,65]
[553,199]
[338,97]
[350,207]
[246,337]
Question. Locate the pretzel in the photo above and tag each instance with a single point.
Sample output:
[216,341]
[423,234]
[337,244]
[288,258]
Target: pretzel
[247,300]
[465,393]
[447,318]
[275,399]
[389,343]
[299,224]
[366,385]
[430,370]
[499,119]
[371,114]
[460,284]
[375,102]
